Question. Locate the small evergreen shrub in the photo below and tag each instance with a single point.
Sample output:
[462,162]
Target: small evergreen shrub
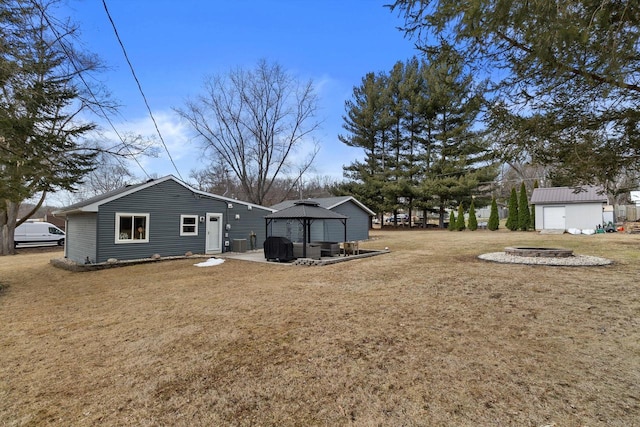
[473,221]
[532,217]
[460,222]
[512,219]
[452,222]
[494,219]
[523,210]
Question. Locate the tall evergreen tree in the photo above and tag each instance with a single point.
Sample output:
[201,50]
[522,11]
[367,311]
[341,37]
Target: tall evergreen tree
[41,150]
[524,219]
[494,218]
[460,221]
[453,225]
[512,219]
[532,217]
[456,157]
[417,126]
[403,117]
[367,126]
[569,74]
[473,220]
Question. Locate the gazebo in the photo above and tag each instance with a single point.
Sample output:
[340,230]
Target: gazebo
[305,212]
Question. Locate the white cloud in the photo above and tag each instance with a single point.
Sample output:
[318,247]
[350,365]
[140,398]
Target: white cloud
[176,135]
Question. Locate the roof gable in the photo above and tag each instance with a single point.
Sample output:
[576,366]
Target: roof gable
[325,202]
[93,204]
[586,194]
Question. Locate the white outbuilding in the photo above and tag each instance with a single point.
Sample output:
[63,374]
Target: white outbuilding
[564,208]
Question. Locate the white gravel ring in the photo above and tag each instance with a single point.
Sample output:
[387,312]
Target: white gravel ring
[572,261]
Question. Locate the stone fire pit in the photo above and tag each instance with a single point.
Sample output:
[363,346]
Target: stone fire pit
[539,252]
[543,256]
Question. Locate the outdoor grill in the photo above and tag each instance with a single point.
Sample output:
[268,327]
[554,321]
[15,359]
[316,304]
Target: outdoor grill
[278,249]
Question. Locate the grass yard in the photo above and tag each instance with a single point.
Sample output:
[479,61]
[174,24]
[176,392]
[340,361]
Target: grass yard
[427,335]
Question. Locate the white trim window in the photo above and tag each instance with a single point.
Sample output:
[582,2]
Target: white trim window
[132,227]
[188,225]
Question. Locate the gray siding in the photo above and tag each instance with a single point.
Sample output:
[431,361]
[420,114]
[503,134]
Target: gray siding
[80,239]
[328,230]
[357,224]
[164,203]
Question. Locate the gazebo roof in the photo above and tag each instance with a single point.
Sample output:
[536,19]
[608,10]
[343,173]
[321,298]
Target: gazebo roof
[305,209]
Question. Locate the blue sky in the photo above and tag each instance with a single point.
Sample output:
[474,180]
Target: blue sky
[173,45]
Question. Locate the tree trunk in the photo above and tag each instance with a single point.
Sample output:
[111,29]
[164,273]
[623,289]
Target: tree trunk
[8,218]
[441,217]
[33,211]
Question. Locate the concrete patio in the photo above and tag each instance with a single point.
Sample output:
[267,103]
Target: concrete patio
[258,256]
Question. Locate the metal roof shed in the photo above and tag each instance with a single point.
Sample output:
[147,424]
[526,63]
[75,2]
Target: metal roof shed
[305,212]
[563,208]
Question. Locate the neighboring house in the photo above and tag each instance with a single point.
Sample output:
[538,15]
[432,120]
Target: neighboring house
[164,216]
[358,221]
[562,208]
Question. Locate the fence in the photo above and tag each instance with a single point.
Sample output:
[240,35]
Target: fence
[627,213]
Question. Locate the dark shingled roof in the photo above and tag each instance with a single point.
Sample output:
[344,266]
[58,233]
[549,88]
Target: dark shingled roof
[305,209]
[325,202]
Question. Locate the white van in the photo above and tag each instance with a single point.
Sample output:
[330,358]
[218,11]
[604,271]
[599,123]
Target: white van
[38,232]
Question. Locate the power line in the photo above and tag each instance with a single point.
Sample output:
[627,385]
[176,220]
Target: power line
[89,90]
[135,77]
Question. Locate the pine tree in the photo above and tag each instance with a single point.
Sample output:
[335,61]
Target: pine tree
[512,219]
[41,142]
[416,125]
[524,218]
[454,154]
[565,57]
[494,218]
[452,222]
[473,221]
[532,217]
[460,221]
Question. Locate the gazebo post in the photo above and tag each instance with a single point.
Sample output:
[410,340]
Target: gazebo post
[344,222]
[304,237]
[305,212]
[266,227]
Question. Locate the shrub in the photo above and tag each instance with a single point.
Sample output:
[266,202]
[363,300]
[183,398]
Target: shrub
[460,222]
[512,219]
[473,221]
[523,210]
[532,217]
[494,219]
[452,222]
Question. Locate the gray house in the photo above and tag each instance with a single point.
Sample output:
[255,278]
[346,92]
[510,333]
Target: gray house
[562,208]
[358,221]
[163,216]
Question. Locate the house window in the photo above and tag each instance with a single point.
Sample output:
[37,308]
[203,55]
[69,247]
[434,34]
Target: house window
[132,228]
[188,225]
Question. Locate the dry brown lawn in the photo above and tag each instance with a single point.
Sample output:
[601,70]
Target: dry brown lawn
[426,335]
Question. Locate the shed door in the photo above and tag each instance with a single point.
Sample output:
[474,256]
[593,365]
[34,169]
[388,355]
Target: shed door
[553,217]
[214,233]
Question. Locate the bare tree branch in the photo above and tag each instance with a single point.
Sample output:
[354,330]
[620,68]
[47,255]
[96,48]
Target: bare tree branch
[253,121]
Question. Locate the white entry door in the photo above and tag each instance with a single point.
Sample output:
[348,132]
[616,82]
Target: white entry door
[214,233]
[553,218]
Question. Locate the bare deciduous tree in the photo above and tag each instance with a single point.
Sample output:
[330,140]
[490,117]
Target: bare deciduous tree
[254,121]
